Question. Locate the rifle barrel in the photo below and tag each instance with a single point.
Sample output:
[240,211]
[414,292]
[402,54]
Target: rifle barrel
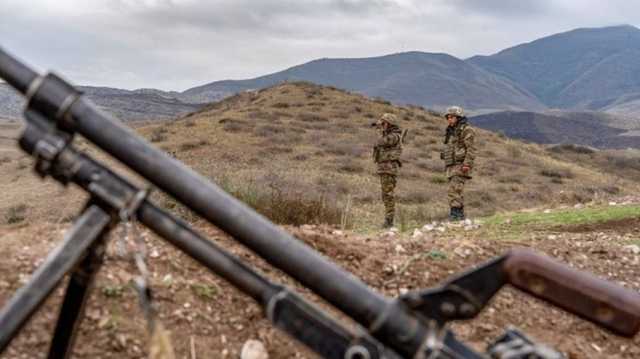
[391,323]
[15,73]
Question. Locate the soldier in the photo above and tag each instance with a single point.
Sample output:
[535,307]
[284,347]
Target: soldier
[386,155]
[458,154]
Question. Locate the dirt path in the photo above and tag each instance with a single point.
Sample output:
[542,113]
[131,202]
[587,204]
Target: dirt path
[627,225]
[197,306]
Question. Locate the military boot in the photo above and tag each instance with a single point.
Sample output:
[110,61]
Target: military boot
[456,214]
[453,214]
[461,216]
[388,222]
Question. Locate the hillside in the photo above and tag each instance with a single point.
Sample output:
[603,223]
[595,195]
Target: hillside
[143,104]
[585,69]
[427,79]
[299,142]
[299,151]
[588,129]
[302,138]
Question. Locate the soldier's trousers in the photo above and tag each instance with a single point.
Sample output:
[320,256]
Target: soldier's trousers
[388,186]
[456,191]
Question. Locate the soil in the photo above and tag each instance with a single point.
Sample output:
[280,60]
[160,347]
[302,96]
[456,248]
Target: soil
[219,319]
[626,225]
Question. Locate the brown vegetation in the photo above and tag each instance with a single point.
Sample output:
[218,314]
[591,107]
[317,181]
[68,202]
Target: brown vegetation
[307,132]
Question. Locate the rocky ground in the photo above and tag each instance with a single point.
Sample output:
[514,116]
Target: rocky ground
[209,319]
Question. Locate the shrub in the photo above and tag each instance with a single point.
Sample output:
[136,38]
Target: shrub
[481,200]
[282,114]
[610,189]
[381,101]
[345,149]
[277,150]
[268,130]
[234,127]
[572,148]
[350,166]
[510,179]
[281,105]
[16,214]
[621,162]
[415,197]
[312,117]
[262,115]
[421,214]
[513,151]
[158,135]
[557,173]
[191,145]
[438,179]
[288,204]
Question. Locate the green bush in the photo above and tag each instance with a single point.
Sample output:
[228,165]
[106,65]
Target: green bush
[438,179]
[16,214]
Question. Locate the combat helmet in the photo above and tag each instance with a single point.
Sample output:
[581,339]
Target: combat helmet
[455,111]
[389,118]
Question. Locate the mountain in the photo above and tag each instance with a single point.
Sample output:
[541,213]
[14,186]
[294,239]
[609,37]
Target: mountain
[432,80]
[583,69]
[588,129]
[143,104]
[589,69]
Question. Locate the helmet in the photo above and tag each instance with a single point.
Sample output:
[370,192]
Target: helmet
[455,111]
[389,118]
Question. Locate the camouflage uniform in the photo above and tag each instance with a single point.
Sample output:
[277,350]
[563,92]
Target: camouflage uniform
[458,154]
[386,155]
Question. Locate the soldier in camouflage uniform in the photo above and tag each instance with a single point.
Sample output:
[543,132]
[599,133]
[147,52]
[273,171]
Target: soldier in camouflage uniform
[386,155]
[458,154]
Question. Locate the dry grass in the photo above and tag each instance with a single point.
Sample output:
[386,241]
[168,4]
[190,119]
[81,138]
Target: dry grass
[317,134]
[319,137]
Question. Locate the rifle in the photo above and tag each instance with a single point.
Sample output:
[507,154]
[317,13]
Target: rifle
[415,325]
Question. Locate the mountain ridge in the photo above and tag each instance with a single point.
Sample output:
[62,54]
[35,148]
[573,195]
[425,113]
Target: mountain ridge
[585,69]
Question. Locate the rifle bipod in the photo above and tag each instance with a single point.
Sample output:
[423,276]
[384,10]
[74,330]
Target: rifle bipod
[413,326]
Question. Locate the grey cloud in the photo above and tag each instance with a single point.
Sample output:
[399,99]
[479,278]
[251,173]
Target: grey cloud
[502,8]
[176,44]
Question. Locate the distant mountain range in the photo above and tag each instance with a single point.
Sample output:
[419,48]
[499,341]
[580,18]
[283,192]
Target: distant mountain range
[431,80]
[144,104]
[581,70]
[584,69]
[591,69]
[594,129]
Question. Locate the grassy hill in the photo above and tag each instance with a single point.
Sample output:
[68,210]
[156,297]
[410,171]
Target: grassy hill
[301,142]
[300,153]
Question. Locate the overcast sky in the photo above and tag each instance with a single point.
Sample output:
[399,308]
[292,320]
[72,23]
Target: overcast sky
[178,44]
